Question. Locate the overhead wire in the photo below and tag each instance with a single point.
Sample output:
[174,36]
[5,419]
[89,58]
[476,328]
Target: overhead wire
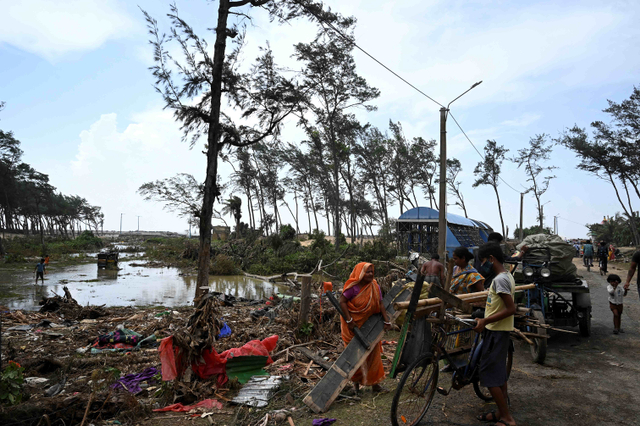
[568,220]
[352,42]
[479,153]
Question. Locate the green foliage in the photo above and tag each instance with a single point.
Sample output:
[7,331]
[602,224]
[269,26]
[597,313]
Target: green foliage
[306,329]
[19,248]
[11,380]
[223,265]
[320,244]
[532,230]
[287,232]
[616,230]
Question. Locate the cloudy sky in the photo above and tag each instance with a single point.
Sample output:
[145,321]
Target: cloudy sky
[79,94]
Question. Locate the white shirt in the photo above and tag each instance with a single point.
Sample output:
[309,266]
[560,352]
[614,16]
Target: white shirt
[615,294]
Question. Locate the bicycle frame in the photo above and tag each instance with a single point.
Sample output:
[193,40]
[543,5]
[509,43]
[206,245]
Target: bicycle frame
[472,359]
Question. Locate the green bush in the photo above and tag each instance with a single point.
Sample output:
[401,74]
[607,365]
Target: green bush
[11,379]
[287,232]
[223,265]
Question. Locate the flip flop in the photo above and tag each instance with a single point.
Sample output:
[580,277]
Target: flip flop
[484,417]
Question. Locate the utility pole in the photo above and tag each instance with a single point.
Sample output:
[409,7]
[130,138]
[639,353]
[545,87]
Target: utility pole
[521,213]
[139,223]
[442,214]
[121,223]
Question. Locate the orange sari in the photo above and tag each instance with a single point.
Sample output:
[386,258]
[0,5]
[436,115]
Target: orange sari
[361,307]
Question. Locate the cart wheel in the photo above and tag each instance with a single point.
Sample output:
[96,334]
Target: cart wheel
[415,391]
[585,323]
[482,392]
[539,347]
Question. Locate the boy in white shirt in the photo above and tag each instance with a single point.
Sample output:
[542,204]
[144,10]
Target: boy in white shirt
[616,294]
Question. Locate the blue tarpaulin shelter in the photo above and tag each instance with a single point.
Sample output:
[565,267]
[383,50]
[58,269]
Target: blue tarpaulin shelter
[418,231]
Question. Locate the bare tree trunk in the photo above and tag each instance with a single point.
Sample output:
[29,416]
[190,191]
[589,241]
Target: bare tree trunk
[495,188]
[634,230]
[213,138]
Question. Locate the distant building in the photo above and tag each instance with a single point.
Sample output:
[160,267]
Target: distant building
[220,233]
[418,231]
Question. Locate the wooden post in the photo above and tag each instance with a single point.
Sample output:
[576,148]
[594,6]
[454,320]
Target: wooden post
[305,299]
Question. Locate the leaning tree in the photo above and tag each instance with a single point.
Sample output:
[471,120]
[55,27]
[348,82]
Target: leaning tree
[263,96]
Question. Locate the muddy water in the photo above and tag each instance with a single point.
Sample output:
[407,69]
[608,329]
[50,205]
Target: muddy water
[131,285]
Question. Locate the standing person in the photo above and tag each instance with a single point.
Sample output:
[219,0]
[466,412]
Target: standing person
[46,263]
[465,278]
[496,326]
[635,260]
[588,254]
[433,271]
[361,297]
[39,271]
[603,257]
[616,294]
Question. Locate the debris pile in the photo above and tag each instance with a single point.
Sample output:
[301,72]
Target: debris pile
[70,375]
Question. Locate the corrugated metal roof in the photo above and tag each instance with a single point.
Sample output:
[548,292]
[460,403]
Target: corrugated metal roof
[427,214]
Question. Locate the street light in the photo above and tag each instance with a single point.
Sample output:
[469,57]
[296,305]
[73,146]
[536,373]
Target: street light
[442,214]
[542,216]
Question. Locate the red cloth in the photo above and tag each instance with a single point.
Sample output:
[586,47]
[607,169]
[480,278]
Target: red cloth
[207,404]
[212,362]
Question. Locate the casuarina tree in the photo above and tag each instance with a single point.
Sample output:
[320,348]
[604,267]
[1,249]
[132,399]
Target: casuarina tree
[612,153]
[263,96]
[487,172]
[532,159]
[333,89]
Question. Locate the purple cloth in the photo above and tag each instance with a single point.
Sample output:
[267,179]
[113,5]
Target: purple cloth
[322,422]
[353,292]
[131,382]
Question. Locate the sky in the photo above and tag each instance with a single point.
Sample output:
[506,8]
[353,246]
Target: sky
[80,98]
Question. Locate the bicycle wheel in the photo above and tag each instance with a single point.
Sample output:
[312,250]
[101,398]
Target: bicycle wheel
[415,391]
[482,392]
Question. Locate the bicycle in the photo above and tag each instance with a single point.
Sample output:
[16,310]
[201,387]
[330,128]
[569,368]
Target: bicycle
[419,383]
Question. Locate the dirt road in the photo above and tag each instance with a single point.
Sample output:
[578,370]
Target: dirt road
[584,381]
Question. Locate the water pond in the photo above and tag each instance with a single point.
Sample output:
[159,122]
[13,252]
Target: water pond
[132,285]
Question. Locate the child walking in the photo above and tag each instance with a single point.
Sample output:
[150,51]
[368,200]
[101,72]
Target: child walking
[616,294]
[497,324]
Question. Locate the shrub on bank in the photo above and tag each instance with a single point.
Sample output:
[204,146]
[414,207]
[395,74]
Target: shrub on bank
[223,265]
[31,246]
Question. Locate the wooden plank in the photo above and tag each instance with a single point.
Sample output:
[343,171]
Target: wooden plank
[329,387]
[450,299]
[315,358]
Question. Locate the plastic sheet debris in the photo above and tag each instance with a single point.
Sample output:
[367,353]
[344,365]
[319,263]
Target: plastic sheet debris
[258,391]
[322,422]
[36,381]
[131,382]
[225,331]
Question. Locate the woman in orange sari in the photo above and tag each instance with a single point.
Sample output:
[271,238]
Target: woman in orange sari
[361,297]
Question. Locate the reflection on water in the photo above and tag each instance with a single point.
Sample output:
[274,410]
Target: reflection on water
[130,285]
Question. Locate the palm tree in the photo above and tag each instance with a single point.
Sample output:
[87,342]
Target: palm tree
[233,207]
